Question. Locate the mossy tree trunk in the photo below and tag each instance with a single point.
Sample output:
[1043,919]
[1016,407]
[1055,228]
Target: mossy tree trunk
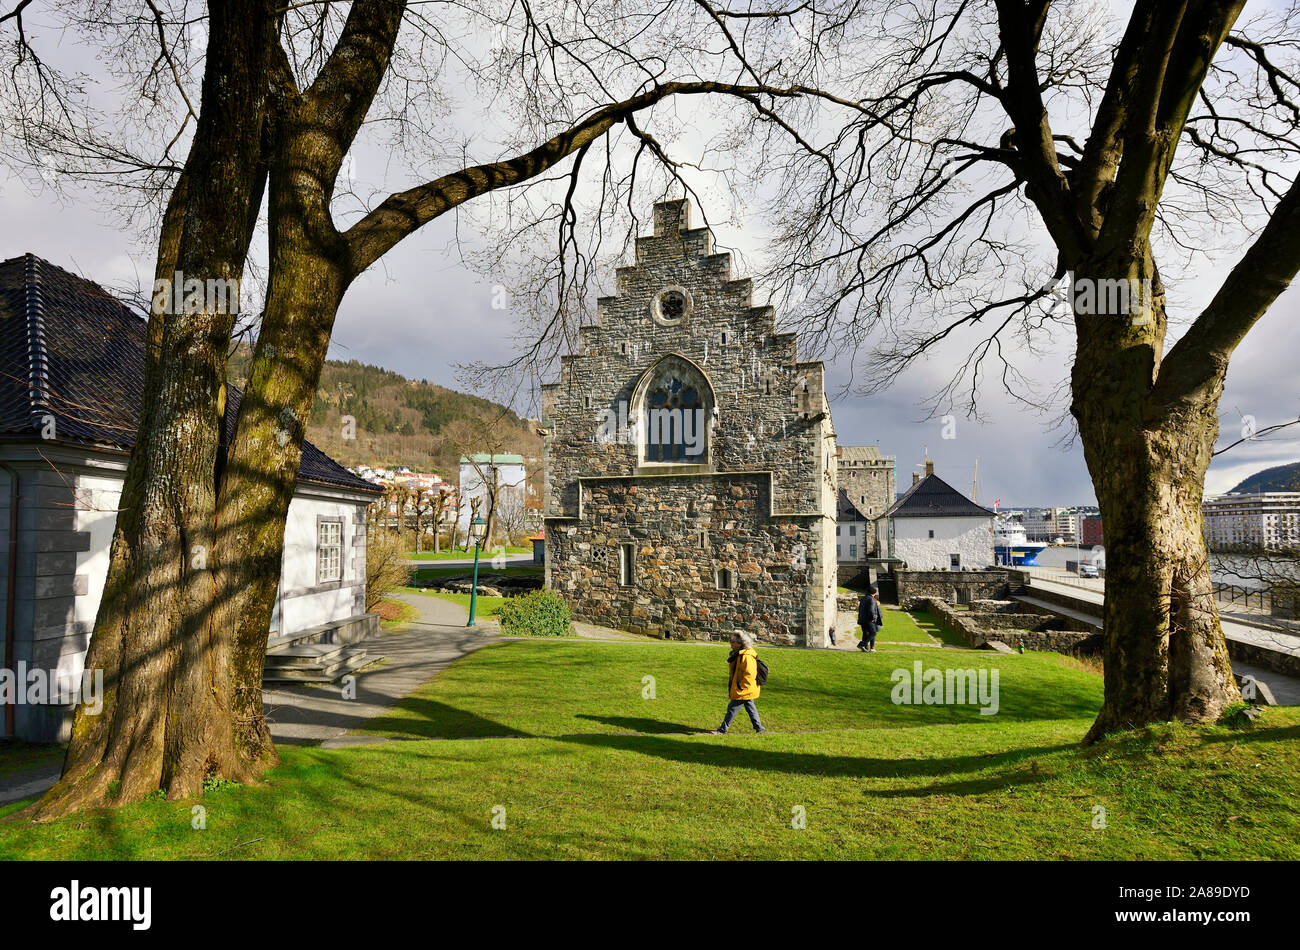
[165,720]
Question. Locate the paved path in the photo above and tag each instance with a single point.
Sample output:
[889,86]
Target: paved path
[307,715]
[311,715]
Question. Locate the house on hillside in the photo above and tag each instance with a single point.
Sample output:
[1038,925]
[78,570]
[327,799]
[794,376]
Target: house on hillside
[934,527]
[71,388]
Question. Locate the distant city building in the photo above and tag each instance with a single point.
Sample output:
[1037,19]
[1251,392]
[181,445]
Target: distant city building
[1263,521]
[935,527]
[1090,531]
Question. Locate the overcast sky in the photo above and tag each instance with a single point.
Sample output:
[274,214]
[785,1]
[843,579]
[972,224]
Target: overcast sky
[421,312]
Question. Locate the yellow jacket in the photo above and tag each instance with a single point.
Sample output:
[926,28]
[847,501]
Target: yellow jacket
[744,676]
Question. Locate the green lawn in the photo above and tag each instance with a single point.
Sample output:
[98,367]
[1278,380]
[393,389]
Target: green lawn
[459,555]
[899,628]
[874,779]
[938,628]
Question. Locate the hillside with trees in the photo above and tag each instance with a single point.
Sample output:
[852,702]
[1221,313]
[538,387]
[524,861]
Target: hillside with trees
[1278,478]
[401,421]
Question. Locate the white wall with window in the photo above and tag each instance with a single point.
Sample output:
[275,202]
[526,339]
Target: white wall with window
[324,561]
[940,543]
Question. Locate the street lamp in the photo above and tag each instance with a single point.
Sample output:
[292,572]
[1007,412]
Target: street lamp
[477,529]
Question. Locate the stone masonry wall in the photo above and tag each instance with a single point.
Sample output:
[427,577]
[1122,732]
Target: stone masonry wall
[940,585]
[685,529]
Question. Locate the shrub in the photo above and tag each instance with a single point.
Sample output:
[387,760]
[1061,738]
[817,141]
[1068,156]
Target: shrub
[385,566]
[540,613]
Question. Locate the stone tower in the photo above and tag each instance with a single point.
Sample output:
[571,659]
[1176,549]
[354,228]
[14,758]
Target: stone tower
[690,457]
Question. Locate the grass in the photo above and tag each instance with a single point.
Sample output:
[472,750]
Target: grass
[877,780]
[18,756]
[899,628]
[460,555]
[938,628]
[485,606]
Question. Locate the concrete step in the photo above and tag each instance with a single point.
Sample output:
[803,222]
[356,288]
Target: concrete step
[303,655]
[349,660]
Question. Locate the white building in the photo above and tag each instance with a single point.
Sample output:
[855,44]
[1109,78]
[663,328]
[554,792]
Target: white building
[854,532]
[935,527]
[505,471]
[1261,521]
[69,406]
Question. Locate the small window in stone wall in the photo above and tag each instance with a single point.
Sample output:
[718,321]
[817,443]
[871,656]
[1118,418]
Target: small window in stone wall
[932,532]
[627,564]
[725,578]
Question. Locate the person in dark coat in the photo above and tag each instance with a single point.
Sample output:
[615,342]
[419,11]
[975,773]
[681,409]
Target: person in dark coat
[870,619]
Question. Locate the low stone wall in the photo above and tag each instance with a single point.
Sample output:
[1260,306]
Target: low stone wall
[945,585]
[847,603]
[973,627]
[1275,660]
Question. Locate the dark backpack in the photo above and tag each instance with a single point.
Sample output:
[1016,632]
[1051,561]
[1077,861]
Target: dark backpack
[761,676]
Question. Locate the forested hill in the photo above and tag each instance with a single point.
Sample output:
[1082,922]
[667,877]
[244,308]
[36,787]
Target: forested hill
[1278,478]
[403,421]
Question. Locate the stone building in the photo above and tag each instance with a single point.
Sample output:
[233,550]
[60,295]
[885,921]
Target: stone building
[690,457]
[866,482]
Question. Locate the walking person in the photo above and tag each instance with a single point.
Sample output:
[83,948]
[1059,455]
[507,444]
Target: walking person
[871,620]
[743,686]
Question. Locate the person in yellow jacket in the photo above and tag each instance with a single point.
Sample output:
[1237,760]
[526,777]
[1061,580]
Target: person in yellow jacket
[743,684]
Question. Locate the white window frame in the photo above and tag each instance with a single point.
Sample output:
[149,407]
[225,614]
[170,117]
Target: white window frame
[329,550]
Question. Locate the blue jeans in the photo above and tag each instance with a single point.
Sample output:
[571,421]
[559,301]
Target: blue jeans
[868,637]
[734,706]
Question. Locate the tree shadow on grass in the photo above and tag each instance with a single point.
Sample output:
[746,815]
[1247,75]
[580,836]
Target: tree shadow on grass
[825,765]
[1258,734]
[638,724]
[429,719]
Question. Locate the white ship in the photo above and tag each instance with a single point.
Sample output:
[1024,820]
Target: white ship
[1011,545]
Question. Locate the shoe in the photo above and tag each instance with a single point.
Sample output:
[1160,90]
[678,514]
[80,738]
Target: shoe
[872,650]
[757,731]
[717,732]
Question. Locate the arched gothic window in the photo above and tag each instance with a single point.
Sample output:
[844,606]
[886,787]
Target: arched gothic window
[675,411]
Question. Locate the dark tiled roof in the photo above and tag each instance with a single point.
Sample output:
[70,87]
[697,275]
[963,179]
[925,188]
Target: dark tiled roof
[846,510]
[933,497]
[70,350]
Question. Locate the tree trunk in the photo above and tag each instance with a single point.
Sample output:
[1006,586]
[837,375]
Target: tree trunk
[1164,652]
[165,719]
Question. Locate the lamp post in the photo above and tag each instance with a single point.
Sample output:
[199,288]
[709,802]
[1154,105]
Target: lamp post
[477,528]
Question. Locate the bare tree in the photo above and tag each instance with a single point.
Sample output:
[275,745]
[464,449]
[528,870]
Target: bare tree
[984,128]
[286,90]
